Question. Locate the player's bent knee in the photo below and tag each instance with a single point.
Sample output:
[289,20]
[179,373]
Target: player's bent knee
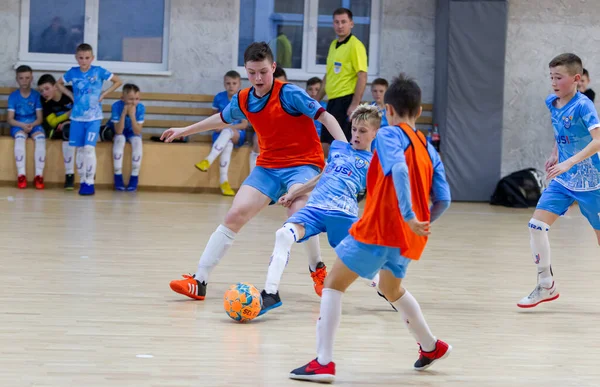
[537,226]
[236,218]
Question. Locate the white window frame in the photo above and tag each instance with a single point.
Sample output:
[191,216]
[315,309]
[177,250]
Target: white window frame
[63,62]
[309,68]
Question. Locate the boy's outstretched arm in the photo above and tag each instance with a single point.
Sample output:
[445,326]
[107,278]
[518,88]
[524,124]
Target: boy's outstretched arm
[212,122]
[287,199]
[332,126]
[222,120]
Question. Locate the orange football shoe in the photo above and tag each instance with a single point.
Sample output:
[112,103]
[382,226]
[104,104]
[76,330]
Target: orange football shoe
[318,277]
[189,286]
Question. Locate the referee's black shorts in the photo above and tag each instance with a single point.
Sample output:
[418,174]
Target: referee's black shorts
[338,107]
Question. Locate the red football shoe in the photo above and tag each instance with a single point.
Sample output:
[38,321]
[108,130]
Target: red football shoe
[315,372]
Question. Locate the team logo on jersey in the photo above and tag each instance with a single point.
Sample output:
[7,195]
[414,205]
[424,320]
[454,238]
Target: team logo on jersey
[360,163]
[567,122]
[337,67]
[311,105]
[92,79]
[537,259]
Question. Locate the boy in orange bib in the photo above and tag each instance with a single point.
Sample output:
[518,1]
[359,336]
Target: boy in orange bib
[282,116]
[405,174]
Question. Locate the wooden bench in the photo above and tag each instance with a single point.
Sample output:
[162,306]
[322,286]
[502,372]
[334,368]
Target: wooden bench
[165,167]
[160,110]
[161,107]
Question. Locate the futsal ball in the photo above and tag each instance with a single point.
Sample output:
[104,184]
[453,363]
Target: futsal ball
[242,302]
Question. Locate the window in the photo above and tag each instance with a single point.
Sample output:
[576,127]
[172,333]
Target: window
[300,32]
[127,37]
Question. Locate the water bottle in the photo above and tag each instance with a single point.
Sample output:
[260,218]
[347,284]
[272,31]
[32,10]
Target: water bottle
[435,138]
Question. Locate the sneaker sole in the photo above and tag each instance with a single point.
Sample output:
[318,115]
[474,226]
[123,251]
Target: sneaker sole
[433,362]
[277,305]
[524,306]
[69,188]
[200,169]
[192,296]
[321,378]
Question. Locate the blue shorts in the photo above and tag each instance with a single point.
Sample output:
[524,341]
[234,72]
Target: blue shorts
[36,129]
[366,260]
[275,182]
[128,133]
[316,221]
[557,199]
[240,142]
[84,133]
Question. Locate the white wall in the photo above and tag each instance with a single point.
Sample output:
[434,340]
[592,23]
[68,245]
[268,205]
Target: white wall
[538,30]
[408,42]
[203,34]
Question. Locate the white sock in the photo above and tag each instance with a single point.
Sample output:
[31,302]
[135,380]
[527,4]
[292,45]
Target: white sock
[411,314]
[20,153]
[312,248]
[328,323]
[215,249]
[80,161]
[136,155]
[220,144]
[68,153]
[90,163]
[284,239]
[253,157]
[540,249]
[40,154]
[118,150]
[224,161]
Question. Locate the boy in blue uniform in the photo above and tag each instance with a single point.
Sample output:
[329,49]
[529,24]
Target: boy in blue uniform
[224,140]
[127,120]
[25,119]
[407,190]
[313,87]
[332,206]
[378,88]
[576,177]
[86,116]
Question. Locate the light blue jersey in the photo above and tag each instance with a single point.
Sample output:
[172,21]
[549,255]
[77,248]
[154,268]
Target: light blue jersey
[344,177]
[117,110]
[87,88]
[25,108]
[294,101]
[572,125]
[221,101]
[384,121]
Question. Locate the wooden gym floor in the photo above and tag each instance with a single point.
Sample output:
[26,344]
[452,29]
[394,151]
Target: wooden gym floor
[85,300]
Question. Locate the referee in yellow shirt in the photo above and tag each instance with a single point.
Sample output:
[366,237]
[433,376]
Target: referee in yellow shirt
[346,76]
